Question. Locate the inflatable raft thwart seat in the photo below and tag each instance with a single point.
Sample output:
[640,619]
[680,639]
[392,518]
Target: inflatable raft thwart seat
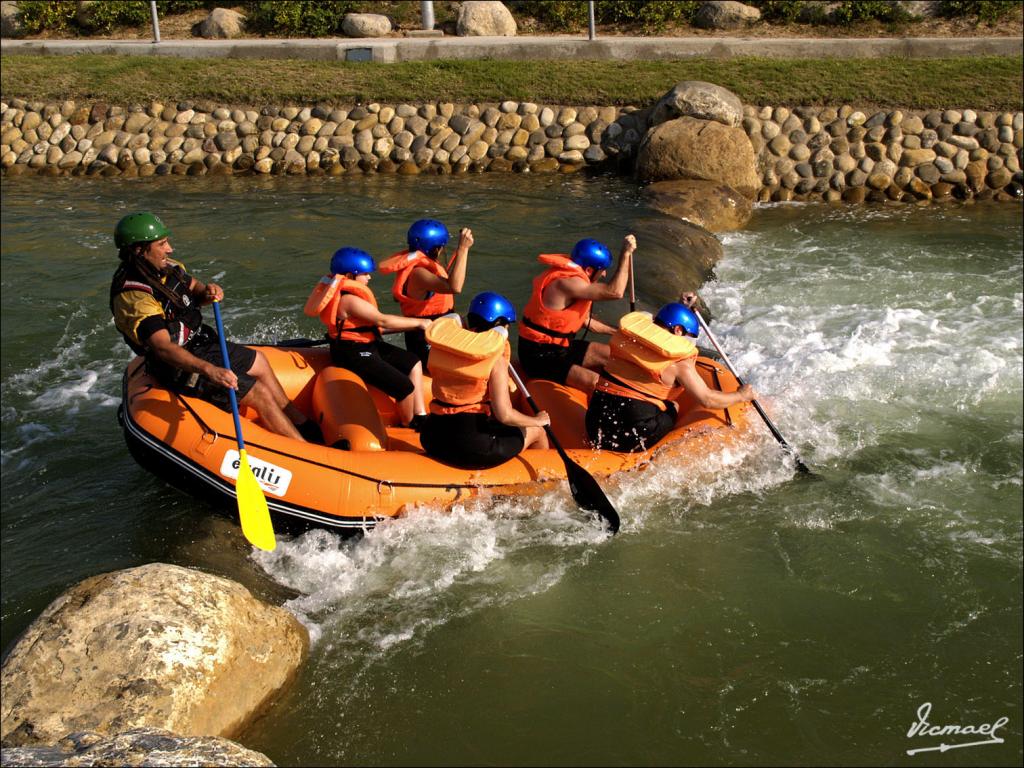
[371,468]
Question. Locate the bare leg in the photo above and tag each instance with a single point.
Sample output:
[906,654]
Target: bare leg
[535,437]
[262,401]
[263,373]
[405,408]
[584,378]
[416,376]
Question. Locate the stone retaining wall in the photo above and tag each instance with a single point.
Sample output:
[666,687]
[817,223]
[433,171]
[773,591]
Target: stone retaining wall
[804,153]
[815,153]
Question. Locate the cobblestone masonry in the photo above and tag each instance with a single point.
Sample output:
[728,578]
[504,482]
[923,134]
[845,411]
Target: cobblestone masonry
[802,153]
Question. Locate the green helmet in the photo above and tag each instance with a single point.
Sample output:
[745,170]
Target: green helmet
[141,227]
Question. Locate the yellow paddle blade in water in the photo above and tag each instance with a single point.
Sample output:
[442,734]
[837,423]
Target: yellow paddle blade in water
[252,508]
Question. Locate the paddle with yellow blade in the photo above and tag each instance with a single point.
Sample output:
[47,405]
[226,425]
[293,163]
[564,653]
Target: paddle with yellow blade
[252,504]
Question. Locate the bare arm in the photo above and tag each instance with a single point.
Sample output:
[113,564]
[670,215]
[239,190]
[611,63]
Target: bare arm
[206,293]
[364,312]
[599,326]
[423,281]
[577,288]
[501,404]
[686,375]
[179,357]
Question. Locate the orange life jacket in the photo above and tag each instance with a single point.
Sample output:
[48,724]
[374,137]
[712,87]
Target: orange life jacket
[460,364]
[640,353]
[553,326]
[403,263]
[325,301]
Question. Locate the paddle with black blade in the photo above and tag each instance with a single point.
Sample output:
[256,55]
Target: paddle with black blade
[775,432]
[585,491]
[252,504]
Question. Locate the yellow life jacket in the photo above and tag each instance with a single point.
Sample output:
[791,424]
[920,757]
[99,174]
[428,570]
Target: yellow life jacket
[460,364]
[640,353]
[403,263]
[325,301]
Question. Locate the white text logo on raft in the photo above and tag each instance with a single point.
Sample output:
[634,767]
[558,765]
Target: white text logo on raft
[922,727]
[272,478]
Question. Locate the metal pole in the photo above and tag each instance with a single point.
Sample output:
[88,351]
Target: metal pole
[427,12]
[590,19]
[156,21]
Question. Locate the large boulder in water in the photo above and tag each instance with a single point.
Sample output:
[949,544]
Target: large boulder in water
[672,257]
[687,148]
[140,746]
[716,207]
[157,646]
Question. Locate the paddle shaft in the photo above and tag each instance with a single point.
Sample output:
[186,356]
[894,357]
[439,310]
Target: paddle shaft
[227,364]
[768,422]
[632,286]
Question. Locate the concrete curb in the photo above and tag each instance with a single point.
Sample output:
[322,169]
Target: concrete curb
[392,50]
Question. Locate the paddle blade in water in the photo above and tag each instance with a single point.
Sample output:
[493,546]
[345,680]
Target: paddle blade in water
[588,494]
[252,508]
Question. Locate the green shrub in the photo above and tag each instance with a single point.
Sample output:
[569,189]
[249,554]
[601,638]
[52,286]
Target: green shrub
[104,15]
[779,10]
[297,18]
[52,15]
[571,15]
[985,10]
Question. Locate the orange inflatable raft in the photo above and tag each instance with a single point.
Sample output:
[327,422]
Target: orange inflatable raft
[372,469]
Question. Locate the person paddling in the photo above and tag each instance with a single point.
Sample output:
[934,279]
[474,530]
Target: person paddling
[651,364]
[561,304]
[156,307]
[345,304]
[472,423]
[423,287]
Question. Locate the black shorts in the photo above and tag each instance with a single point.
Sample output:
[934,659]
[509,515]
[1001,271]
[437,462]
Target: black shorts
[416,342]
[470,440]
[550,361]
[207,347]
[627,424]
[378,363]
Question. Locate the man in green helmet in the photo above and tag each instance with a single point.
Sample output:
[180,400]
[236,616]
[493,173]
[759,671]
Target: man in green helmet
[156,307]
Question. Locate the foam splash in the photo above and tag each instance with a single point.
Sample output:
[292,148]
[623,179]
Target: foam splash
[407,575]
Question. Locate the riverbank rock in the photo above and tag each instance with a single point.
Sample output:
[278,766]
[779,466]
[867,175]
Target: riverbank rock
[366,25]
[156,646]
[485,18]
[708,204]
[10,22]
[222,23]
[725,14]
[137,747]
[700,100]
[687,148]
[673,257]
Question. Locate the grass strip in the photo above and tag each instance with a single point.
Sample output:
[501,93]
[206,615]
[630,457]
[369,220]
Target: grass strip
[986,83]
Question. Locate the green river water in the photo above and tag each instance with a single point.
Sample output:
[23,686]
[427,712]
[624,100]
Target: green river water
[743,616]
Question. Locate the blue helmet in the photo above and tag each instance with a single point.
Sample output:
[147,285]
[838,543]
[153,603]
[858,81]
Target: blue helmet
[590,253]
[675,314]
[426,235]
[488,309]
[351,261]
